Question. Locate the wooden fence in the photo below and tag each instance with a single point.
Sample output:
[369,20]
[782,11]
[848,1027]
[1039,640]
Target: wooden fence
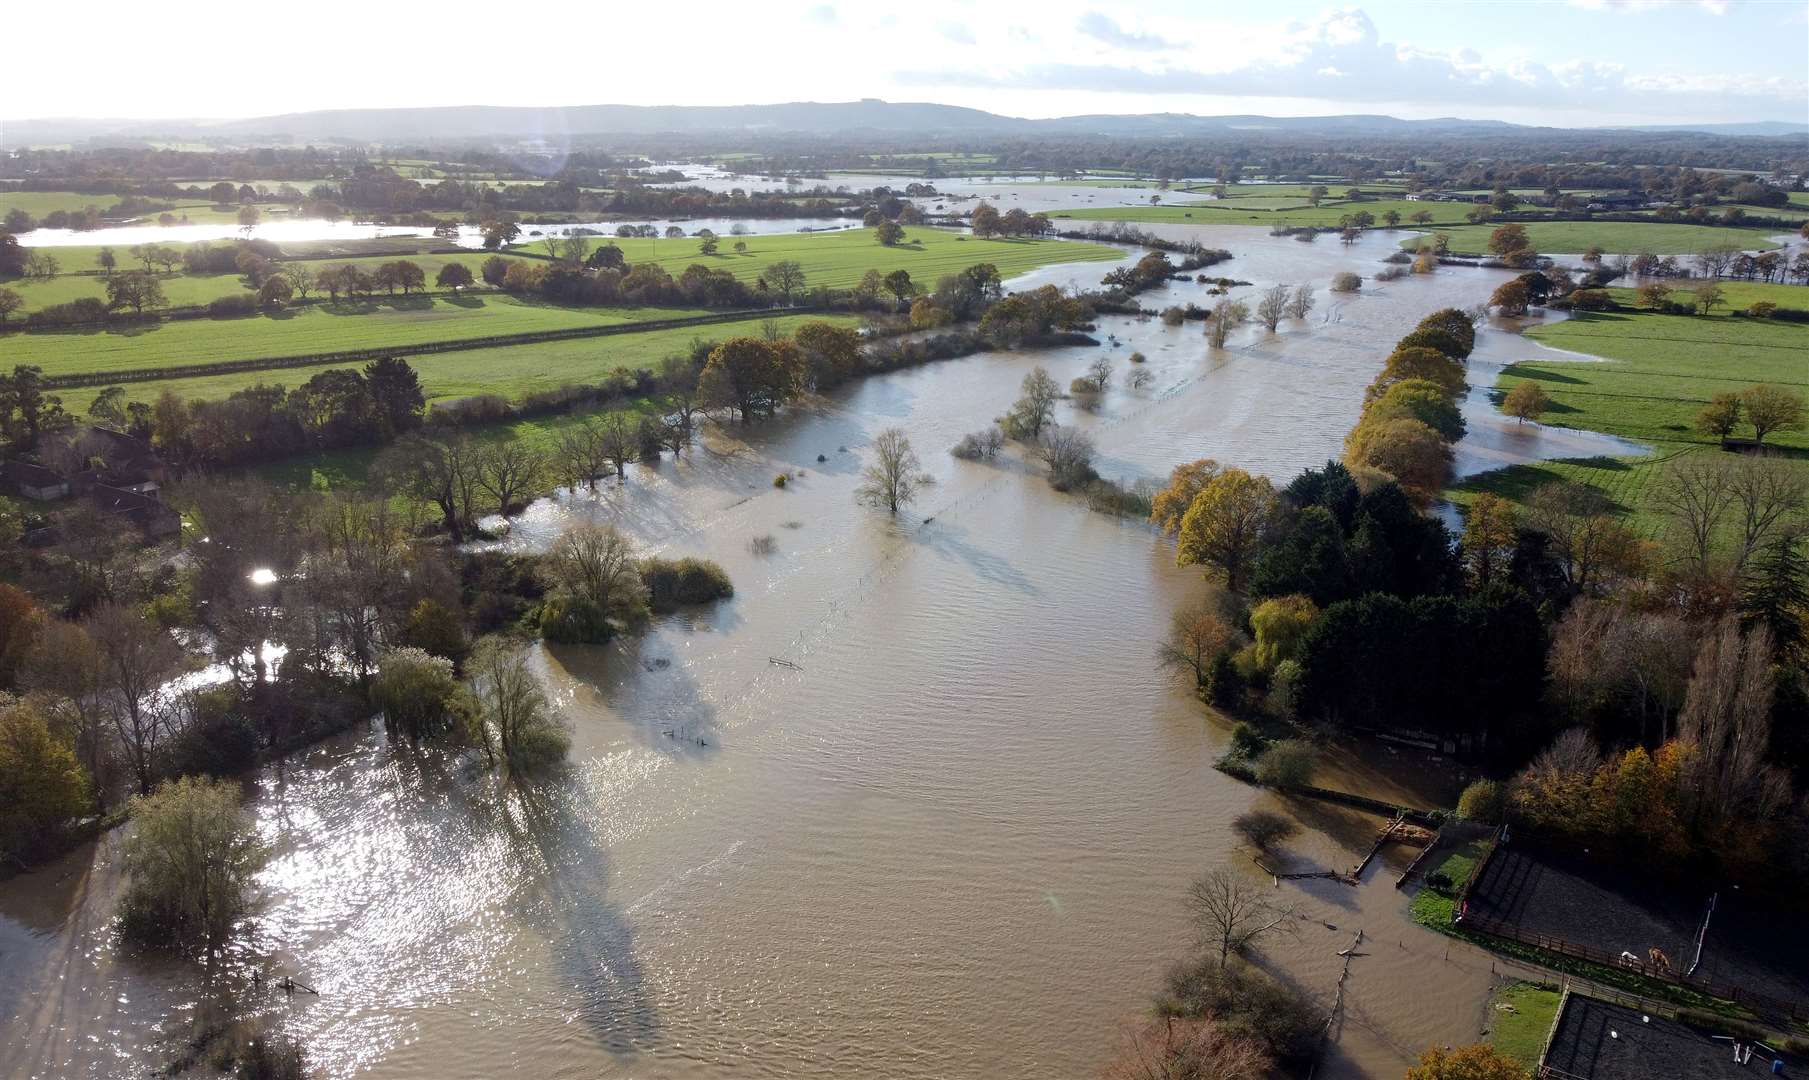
[1795,1010]
[272,363]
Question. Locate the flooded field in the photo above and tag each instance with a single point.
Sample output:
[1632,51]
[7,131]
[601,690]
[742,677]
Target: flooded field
[950,839]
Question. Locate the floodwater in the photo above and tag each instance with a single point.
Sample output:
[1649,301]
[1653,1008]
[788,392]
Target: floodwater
[948,837]
[301,230]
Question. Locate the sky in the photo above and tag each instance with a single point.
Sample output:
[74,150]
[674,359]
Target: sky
[1558,62]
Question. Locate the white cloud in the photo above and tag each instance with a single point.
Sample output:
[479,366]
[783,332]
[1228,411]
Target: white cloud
[956,32]
[1098,25]
[1341,57]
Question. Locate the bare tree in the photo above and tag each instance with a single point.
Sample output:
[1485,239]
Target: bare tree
[509,472]
[619,443]
[1727,720]
[1227,315]
[580,457]
[1768,495]
[1273,306]
[891,480]
[1301,303]
[1231,913]
[1694,494]
[597,563]
[1099,373]
[1068,452]
[138,658]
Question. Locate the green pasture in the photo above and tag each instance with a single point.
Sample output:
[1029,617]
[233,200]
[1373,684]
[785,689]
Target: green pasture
[40,203]
[839,259]
[185,289]
[1655,375]
[1520,1017]
[1628,237]
[512,371]
[322,328]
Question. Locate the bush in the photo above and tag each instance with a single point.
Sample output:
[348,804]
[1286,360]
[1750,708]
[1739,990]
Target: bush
[673,583]
[779,481]
[229,307]
[1763,309]
[1346,282]
[1484,801]
[1263,828]
[1390,273]
[1286,765]
[573,620]
[1247,742]
[189,863]
[1591,300]
[220,740]
[435,628]
[1246,1001]
[418,693]
[979,444]
[1138,358]
[1173,316]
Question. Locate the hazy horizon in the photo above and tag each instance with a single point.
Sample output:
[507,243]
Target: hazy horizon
[1585,63]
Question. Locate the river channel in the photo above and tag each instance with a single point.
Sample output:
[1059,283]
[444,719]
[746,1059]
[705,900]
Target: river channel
[948,837]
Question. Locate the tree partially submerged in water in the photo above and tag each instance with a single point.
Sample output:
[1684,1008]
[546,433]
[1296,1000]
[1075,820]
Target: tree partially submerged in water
[190,863]
[892,478]
[517,729]
[1231,913]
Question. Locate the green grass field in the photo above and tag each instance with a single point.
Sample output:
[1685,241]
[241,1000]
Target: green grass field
[39,203]
[838,259]
[187,289]
[1657,373]
[1270,209]
[1520,1019]
[306,330]
[1434,907]
[1659,370]
[512,371]
[1738,295]
[1629,237]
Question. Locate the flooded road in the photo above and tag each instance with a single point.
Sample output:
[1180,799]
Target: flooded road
[951,841]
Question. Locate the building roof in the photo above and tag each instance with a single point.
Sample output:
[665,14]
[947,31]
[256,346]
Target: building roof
[29,475]
[1594,1039]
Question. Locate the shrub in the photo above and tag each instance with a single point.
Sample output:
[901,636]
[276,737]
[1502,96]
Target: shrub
[1346,282]
[1389,273]
[779,481]
[1484,801]
[763,545]
[229,307]
[1138,358]
[672,583]
[1286,765]
[418,693]
[1263,828]
[220,740]
[268,1056]
[1173,316]
[1246,1001]
[979,444]
[1763,309]
[1591,300]
[574,620]
[437,629]
[189,863]
[1247,742]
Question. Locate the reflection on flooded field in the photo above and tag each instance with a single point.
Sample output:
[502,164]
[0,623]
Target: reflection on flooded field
[949,837]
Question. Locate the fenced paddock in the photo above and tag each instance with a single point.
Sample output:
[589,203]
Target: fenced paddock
[1573,908]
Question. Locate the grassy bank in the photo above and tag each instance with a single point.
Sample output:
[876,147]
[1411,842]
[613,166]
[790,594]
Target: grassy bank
[1520,1019]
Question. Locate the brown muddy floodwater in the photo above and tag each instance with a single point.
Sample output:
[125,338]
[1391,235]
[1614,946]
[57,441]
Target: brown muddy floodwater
[951,841]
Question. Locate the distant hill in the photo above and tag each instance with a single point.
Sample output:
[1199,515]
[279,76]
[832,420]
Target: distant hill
[1761,127]
[808,118]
